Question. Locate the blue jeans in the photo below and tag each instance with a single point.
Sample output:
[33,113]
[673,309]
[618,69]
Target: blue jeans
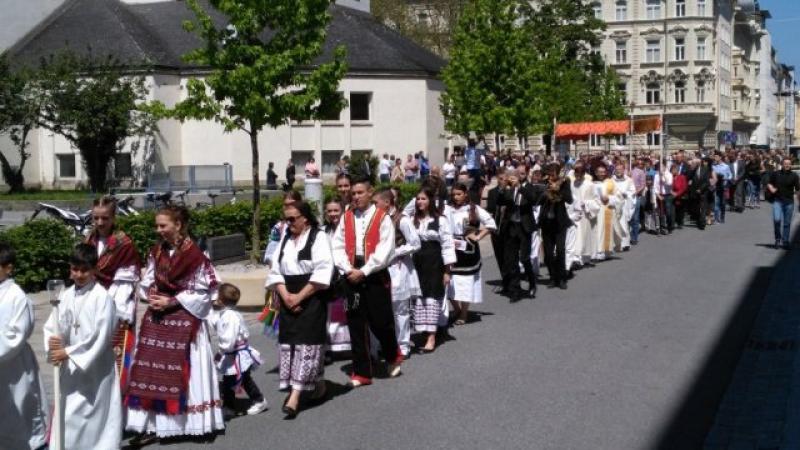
[782,211]
[635,219]
[719,206]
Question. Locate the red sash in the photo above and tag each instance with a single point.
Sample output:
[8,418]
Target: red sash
[119,252]
[371,237]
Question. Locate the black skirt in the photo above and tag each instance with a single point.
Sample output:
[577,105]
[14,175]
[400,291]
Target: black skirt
[308,327]
[430,269]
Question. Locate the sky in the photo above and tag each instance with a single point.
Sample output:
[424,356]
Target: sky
[784,27]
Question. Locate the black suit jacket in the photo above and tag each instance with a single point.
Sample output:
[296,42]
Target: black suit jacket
[740,170]
[560,219]
[529,196]
[701,181]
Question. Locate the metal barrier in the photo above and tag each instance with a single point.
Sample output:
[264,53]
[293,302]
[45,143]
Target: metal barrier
[192,178]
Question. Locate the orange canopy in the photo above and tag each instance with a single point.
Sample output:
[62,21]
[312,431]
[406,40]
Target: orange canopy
[582,130]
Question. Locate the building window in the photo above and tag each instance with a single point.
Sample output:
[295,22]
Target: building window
[680,92]
[329,160]
[66,166]
[595,50]
[622,89]
[360,103]
[622,10]
[653,51]
[701,48]
[653,8]
[653,94]
[622,52]
[597,8]
[299,160]
[654,138]
[735,105]
[701,7]
[594,140]
[701,92]
[680,8]
[329,113]
[123,166]
[622,139]
[680,49]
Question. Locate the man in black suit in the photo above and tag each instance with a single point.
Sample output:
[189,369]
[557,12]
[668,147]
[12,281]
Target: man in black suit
[738,172]
[497,211]
[699,184]
[515,232]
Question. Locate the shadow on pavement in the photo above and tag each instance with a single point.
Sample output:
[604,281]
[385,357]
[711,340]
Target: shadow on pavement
[692,420]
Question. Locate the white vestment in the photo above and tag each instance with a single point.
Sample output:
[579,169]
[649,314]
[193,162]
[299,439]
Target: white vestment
[89,383]
[24,402]
[607,198]
[205,406]
[622,229]
[233,339]
[583,212]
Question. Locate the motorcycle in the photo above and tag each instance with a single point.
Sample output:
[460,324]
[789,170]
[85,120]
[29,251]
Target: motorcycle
[79,223]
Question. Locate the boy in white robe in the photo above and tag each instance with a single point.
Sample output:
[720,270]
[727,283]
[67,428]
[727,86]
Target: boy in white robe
[79,341]
[24,405]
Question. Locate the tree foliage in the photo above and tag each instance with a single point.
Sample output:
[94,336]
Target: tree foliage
[430,24]
[21,101]
[261,56]
[96,107]
[517,65]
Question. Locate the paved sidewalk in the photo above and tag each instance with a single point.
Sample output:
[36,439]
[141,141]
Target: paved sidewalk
[761,408]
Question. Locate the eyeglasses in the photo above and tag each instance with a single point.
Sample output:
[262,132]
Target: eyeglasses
[292,219]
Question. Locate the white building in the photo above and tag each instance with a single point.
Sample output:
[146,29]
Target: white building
[392,86]
[674,60]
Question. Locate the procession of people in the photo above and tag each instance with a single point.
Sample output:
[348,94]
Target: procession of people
[361,282]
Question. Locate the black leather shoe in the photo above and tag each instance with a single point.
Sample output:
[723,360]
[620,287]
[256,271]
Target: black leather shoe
[516,295]
[532,292]
[562,284]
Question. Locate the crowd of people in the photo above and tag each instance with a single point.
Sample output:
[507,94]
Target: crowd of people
[362,282]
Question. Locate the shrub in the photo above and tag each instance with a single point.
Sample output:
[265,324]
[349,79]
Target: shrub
[142,230]
[43,250]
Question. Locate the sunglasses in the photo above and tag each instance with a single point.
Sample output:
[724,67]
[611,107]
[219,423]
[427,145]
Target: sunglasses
[292,219]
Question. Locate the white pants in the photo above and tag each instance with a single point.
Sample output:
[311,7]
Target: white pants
[402,324]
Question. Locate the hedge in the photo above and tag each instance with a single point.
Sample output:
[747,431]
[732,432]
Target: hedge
[45,245]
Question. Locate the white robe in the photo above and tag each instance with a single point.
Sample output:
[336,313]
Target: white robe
[467,288]
[606,217]
[622,229]
[89,383]
[23,402]
[405,284]
[203,395]
[581,242]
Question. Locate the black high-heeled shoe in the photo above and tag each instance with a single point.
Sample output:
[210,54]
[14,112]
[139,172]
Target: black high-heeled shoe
[290,412]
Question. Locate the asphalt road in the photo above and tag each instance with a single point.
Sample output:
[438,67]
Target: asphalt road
[606,364]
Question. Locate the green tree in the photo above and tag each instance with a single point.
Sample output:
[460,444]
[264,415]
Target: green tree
[429,23]
[20,111]
[260,59]
[96,107]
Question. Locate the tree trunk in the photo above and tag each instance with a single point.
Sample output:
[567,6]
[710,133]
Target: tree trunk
[256,228]
[14,178]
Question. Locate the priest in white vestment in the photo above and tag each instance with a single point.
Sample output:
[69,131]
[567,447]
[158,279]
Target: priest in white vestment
[607,198]
[583,211]
[627,193]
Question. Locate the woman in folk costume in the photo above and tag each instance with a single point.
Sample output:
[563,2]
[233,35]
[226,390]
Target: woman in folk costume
[301,275]
[607,198]
[338,333]
[469,223]
[582,212]
[278,231]
[118,269]
[405,284]
[172,389]
[433,263]
[24,402]
[627,193]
